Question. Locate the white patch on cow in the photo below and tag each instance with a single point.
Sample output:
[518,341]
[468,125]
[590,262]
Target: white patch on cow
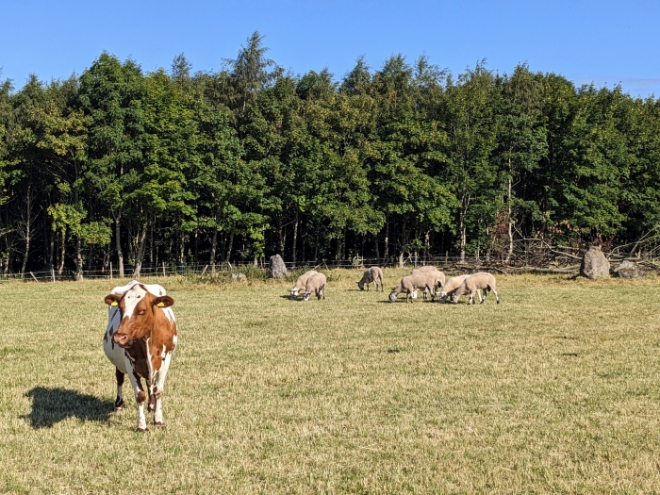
[149,363]
[131,299]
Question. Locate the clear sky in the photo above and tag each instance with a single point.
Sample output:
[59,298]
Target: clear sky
[606,42]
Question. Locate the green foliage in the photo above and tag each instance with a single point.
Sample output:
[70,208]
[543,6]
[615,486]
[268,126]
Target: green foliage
[253,160]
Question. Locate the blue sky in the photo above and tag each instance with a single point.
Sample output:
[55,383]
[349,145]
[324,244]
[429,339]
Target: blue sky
[604,42]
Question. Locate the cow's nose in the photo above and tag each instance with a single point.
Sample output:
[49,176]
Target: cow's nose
[120,339]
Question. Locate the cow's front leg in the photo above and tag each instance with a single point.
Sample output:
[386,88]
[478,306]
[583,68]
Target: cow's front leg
[119,402]
[140,399]
[158,390]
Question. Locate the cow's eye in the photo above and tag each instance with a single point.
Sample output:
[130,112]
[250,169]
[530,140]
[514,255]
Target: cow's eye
[142,311]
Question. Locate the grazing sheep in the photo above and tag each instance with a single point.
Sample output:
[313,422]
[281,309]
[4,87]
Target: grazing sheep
[316,282]
[473,284]
[300,283]
[373,274]
[410,284]
[451,285]
[431,271]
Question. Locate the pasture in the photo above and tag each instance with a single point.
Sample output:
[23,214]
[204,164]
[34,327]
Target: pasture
[556,390]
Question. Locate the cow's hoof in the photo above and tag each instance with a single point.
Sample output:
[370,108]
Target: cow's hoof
[159,425]
[142,430]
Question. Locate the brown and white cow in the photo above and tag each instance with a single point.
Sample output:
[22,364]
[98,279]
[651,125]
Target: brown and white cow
[139,341]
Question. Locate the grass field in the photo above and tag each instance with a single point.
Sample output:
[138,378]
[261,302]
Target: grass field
[556,390]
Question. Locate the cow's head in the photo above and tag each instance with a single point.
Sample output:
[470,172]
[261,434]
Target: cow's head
[139,310]
[360,285]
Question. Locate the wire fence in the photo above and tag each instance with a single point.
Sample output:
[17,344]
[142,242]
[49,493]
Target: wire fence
[446,262]
[202,269]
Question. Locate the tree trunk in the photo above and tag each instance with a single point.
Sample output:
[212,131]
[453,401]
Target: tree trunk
[386,254]
[28,228]
[294,252]
[510,252]
[60,268]
[214,247]
[120,254]
[139,256]
[79,263]
[230,244]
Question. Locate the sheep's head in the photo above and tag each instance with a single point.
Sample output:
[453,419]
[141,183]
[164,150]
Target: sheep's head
[360,285]
[392,296]
[455,297]
[294,292]
[306,296]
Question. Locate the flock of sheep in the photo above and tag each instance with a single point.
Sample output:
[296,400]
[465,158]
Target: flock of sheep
[427,279]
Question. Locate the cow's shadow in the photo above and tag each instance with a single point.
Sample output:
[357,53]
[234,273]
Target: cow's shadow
[52,405]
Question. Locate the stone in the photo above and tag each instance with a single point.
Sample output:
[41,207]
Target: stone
[238,277]
[276,267]
[628,269]
[594,264]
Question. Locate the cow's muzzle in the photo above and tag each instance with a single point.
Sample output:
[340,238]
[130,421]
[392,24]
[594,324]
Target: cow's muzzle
[122,340]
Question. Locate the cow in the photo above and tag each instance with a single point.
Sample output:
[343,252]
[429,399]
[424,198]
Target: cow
[139,340]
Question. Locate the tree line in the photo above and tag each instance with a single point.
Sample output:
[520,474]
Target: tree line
[118,165]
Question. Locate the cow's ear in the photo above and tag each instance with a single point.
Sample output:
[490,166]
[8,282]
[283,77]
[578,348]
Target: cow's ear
[112,300]
[163,301]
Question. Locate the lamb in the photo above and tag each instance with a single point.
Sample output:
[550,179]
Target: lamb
[300,283]
[316,282]
[373,274]
[410,284]
[473,284]
[451,285]
[431,271]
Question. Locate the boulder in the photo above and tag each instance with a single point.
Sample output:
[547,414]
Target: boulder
[276,267]
[628,269]
[594,264]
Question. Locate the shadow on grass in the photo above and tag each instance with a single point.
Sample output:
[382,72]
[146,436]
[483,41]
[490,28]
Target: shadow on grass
[52,405]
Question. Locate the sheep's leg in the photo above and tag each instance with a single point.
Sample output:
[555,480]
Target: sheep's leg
[496,296]
[481,300]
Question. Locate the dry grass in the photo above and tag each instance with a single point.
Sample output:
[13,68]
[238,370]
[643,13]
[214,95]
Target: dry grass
[556,390]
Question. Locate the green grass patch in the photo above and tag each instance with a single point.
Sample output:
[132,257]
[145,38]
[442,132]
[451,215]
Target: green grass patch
[555,390]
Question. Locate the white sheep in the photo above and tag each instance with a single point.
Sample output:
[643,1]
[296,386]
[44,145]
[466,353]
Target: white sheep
[451,285]
[410,284]
[373,274]
[300,283]
[430,271]
[316,282]
[473,284]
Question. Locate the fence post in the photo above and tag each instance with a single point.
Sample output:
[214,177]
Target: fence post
[35,278]
[446,257]
[163,269]
[52,274]
[111,270]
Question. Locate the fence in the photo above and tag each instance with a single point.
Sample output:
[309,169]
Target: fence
[201,269]
[556,263]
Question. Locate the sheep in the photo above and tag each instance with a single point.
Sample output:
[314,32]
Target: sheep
[411,283]
[300,283]
[373,274]
[451,285]
[473,284]
[431,271]
[316,282]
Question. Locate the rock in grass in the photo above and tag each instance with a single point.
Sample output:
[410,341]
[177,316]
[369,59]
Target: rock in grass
[276,267]
[594,264]
[628,269]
